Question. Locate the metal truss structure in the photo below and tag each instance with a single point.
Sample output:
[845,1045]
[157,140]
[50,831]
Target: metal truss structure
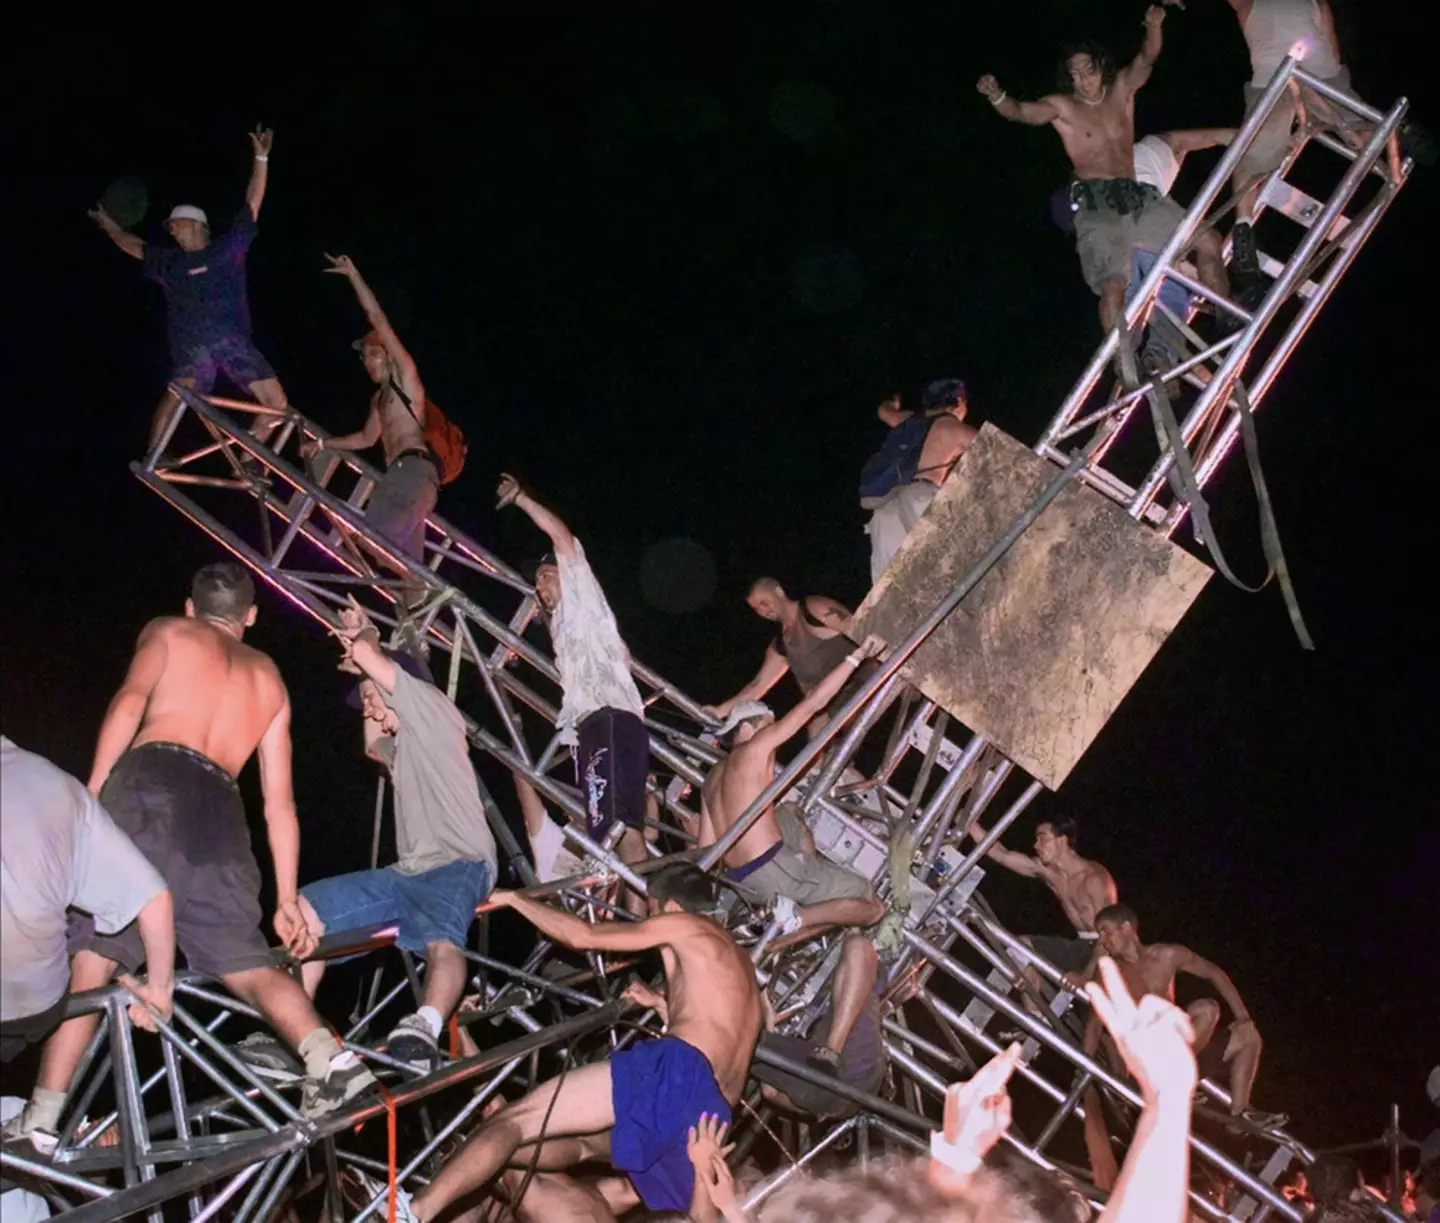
[200,1128]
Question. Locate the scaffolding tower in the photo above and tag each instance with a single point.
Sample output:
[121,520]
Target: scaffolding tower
[201,1128]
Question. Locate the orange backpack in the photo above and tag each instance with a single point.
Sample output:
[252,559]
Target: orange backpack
[445,439]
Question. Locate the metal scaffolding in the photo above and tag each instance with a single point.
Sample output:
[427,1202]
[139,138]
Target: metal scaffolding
[199,1126]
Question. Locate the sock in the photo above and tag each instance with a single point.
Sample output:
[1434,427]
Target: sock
[321,1051]
[43,1110]
[433,1019]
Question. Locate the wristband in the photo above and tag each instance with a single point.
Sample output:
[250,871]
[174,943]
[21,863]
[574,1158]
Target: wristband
[262,156]
[960,1160]
[854,659]
[1003,96]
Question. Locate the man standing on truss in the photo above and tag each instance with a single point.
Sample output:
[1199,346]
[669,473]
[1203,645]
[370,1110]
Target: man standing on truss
[207,311]
[602,718]
[195,705]
[407,492]
[637,1108]
[810,645]
[1114,214]
[1152,969]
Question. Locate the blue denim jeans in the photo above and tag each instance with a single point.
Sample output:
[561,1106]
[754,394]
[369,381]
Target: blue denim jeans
[436,906]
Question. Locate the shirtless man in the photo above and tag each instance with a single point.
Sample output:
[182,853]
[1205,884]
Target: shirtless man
[811,644]
[635,1109]
[775,861]
[944,405]
[1152,970]
[195,705]
[1081,886]
[406,494]
[1114,213]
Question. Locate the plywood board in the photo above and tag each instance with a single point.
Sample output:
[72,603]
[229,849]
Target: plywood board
[1039,655]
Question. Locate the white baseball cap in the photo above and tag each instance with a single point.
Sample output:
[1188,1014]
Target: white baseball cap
[743,712]
[188,212]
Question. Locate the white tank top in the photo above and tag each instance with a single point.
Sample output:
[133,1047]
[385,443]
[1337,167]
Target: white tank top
[1275,27]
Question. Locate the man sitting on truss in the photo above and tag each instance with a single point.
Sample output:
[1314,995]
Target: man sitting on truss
[446,864]
[638,1107]
[775,861]
[1152,969]
[602,718]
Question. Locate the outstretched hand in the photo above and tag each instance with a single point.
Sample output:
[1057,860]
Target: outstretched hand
[151,1004]
[707,1141]
[989,86]
[642,995]
[977,1114]
[873,646]
[508,490]
[341,265]
[261,139]
[1154,1037]
[100,216]
[1154,16]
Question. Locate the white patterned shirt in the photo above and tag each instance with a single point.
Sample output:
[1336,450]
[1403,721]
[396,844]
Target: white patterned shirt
[592,658]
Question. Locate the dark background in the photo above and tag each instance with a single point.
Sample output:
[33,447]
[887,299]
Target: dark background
[664,264]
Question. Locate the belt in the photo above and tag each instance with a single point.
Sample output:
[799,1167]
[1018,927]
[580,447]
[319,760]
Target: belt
[414,452]
[1122,195]
[738,874]
[204,761]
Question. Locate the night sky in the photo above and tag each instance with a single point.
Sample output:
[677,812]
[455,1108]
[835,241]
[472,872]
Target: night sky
[663,263]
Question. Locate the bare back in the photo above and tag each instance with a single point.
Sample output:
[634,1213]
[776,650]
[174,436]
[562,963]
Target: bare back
[714,1002]
[399,430]
[1099,139]
[215,694]
[947,440]
[733,784]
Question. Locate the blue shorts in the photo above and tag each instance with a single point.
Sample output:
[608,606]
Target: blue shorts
[436,906]
[233,355]
[659,1089]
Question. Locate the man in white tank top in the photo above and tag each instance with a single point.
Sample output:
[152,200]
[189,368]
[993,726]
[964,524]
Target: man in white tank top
[1274,29]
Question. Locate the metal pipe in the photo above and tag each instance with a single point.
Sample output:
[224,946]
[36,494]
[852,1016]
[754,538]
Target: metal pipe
[982,848]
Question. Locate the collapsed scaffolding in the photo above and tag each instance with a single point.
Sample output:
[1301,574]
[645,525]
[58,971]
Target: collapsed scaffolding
[226,1140]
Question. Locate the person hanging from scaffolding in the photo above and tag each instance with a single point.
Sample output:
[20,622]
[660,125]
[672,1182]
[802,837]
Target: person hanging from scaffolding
[207,309]
[397,419]
[195,705]
[775,861]
[1114,214]
[1083,888]
[1275,29]
[637,1108]
[810,644]
[602,718]
[1152,969]
[900,480]
[447,862]
[59,850]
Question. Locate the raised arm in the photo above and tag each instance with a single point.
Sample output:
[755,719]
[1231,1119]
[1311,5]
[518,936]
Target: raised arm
[579,935]
[510,493]
[783,730]
[260,140]
[343,265]
[531,808]
[1187,961]
[1036,114]
[1138,70]
[1021,864]
[127,708]
[132,244]
[282,827]
[772,669]
[1192,140]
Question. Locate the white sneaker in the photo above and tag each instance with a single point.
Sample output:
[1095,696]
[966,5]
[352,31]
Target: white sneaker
[413,1043]
[370,1189]
[787,914]
[21,1127]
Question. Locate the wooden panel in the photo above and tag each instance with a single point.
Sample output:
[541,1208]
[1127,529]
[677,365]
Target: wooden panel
[1037,657]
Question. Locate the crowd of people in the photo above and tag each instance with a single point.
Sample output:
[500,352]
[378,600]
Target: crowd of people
[152,854]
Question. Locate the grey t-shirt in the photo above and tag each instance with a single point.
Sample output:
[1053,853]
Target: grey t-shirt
[58,848]
[439,817]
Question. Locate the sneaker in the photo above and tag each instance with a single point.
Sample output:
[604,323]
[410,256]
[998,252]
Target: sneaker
[360,1190]
[345,1078]
[1244,256]
[786,914]
[20,1128]
[268,1058]
[413,1043]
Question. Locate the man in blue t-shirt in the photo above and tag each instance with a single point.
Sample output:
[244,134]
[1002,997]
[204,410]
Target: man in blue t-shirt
[207,314]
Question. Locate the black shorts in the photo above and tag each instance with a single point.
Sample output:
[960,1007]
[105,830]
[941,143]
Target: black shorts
[612,759]
[184,813]
[16,1035]
[1067,954]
